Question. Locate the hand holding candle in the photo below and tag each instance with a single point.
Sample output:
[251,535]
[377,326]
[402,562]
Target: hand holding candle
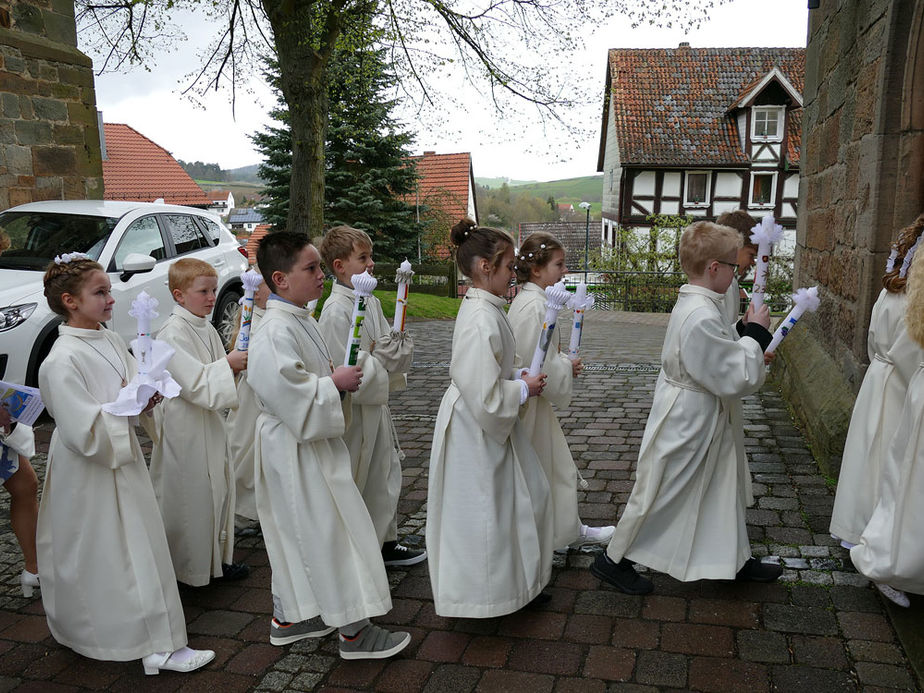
[403,280]
[764,235]
[804,300]
[580,302]
[363,286]
[251,279]
[556,296]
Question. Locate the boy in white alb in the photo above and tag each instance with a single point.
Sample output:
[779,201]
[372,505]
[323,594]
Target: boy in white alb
[685,516]
[743,223]
[190,467]
[323,551]
[369,435]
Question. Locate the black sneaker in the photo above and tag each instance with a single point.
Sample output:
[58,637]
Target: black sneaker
[234,571]
[620,575]
[755,571]
[395,554]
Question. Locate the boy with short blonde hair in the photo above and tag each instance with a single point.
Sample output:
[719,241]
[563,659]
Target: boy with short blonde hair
[685,516]
[369,435]
[190,467]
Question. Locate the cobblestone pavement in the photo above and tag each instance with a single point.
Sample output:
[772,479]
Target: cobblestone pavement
[821,628]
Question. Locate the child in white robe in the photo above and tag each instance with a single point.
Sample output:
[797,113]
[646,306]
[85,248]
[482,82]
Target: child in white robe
[369,435]
[17,446]
[325,558]
[893,359]
[108,585]
[541,263]
[240,429]
[891,548]
[686,513]
[489,529]
[190,466]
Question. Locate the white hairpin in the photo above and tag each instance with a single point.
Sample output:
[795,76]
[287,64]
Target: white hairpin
[890,263]
[906,263]
[65,258]
[542,245]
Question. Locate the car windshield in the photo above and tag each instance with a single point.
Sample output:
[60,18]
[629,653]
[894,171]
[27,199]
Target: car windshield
[30,240]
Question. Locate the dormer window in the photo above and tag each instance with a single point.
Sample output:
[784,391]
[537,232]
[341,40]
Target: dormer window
[767,123]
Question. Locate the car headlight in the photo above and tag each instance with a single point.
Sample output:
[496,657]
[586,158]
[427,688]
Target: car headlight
[11,316]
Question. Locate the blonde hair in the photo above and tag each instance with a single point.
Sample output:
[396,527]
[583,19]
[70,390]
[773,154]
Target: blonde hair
[704,241]
[472,241]
[340,242]
[914,311]
[184,271]
[892,281]
[536,252]
[66,278]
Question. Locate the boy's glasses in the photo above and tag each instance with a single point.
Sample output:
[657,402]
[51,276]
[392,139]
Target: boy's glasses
[733,265]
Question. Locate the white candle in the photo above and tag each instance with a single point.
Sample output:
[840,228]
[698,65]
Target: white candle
[764,235]
[805,300]
[251,279]
[580,302]
[403,279]
[556,296]
[363,285]
[143,310]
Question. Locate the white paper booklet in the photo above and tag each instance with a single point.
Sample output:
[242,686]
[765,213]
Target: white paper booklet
[24,403]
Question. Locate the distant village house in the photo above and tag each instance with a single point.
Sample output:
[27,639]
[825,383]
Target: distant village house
[222,201]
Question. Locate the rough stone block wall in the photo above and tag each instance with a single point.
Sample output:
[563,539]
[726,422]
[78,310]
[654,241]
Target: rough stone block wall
[49,134]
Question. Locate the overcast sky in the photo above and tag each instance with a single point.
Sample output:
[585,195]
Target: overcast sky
[512,146]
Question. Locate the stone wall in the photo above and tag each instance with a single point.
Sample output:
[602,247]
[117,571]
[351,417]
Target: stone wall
[49,135]
[861,181]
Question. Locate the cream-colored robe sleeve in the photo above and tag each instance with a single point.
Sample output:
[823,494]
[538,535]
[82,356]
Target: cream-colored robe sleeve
[21,439]
[719,365]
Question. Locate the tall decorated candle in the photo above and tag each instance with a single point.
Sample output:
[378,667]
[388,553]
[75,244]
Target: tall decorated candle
[251,279]
[581,301]
[764,235]
[556,297]
[804,300]
[363,286]
[403,280]
[144,310]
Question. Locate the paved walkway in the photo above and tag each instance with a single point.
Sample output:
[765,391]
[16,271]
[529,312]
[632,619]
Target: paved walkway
[821,628]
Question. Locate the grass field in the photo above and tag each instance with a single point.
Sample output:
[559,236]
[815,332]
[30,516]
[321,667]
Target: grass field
[419,306]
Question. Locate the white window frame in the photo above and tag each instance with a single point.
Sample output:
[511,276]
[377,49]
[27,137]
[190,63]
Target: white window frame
[773,181]
[687,203]
[776,110]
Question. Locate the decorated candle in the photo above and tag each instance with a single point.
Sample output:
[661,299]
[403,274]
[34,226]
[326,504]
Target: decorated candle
[363,285]
[764,235]
[403,280]
[312,304]
[579,302]
[144,310]
[251,279]
[804,300]
[556,296]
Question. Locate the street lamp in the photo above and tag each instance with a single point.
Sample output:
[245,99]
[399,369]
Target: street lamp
[586,207]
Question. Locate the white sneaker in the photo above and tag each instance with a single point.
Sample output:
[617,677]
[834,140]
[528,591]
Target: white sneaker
[893,595]
[593,535]
[184,660]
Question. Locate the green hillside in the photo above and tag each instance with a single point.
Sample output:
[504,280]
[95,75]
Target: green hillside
[497,182]
[571,190]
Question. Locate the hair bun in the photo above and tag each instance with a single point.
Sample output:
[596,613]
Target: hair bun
[460,231]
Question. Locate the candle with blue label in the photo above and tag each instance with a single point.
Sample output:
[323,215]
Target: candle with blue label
[579,303]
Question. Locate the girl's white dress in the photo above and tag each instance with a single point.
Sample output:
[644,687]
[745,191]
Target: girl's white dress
[489,529]
[108,585]
[527,315]
[893,359]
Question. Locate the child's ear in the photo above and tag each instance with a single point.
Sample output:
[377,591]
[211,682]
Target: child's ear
[279,280]
[178,295]
[337,266]
[69,301]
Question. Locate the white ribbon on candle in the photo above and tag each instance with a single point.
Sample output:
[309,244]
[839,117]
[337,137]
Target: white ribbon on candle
[764,235]
[251,279]
[579,302]
[152,356]
[804,300]
[403,280]
[556,297]
[363,286]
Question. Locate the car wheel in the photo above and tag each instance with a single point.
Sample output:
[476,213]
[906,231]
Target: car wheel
[225,315]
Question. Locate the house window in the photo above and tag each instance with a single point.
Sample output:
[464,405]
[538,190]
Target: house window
[763,189]
[696,189]
[767,123]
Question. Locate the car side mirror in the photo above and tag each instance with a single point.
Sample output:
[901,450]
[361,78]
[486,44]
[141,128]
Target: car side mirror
[136,263]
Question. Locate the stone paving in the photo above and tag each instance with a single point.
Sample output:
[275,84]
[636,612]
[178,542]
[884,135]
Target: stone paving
[820,628]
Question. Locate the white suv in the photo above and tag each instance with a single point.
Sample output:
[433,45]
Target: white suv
[135,242]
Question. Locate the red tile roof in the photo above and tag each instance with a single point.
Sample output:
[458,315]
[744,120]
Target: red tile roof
[254,241]
[217,195]
[136,168]
[671,105]
[445,181]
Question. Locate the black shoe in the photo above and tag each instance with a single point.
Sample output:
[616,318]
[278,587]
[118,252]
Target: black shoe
[541,599]
[234,571]
[620,575]
[395,554]
[755,571]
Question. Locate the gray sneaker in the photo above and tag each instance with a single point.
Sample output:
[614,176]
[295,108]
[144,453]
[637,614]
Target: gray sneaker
[373,642]
[285,633]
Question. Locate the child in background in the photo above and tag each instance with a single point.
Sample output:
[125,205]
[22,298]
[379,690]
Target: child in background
[884,474]
[743,223]
[369,434]
[190,467]
[541,263]
[240,427]
[323,551]
[17,445]
[489,529]
[685,516]
[108,585]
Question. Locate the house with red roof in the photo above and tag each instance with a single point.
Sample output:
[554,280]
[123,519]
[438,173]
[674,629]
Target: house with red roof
[135,168]
[222,201]
[445,193]
[700,131]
